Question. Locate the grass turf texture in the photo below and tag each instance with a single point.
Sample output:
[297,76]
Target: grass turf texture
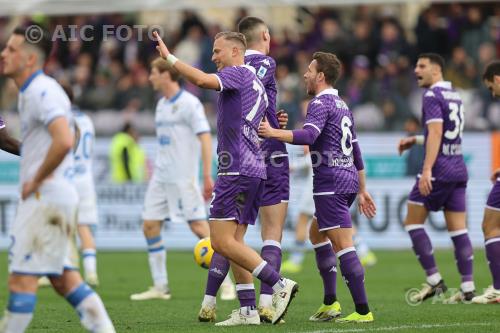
[124,273]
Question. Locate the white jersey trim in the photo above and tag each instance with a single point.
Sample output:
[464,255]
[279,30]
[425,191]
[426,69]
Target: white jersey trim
[220,82]
[228,174]
[323,193]
[434,120]
[310,124]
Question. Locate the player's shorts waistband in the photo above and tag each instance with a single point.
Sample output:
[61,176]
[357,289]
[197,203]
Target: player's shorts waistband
[278,155]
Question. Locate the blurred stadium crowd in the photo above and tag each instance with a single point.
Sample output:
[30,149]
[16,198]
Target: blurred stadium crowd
[378,54]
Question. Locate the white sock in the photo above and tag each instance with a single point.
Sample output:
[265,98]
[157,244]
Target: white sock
[434,279]
[15,322]
[89,261]
[209,300]
[158,267]
[278,286]
[227,279]
[88,304]
[362,248]
[467,286]
[265,301]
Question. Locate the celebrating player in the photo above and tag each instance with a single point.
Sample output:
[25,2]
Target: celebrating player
[274,202]
[238,189]
[491,220]
[339,177]
[183,137]
[8,143]
[46,214]
[442,181]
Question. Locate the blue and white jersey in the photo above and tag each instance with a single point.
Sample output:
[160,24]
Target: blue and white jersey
[41,101]
[179,120]
[83,175]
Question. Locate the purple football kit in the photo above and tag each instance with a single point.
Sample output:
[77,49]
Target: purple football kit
[276,186]
[441,103]
[241,107]
[336,180]
[494,197]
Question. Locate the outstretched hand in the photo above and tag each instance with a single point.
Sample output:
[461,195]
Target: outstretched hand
[161,47]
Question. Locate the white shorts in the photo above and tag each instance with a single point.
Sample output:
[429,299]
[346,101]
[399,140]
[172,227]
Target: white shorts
[87,204]
[41,232]
[180,201]
[306,204]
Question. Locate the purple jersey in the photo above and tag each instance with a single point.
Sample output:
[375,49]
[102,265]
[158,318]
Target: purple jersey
[265,68]
[2,124]
[441,103]
[241,107]
[332,152]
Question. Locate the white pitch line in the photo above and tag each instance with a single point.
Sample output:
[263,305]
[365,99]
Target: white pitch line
[396,328]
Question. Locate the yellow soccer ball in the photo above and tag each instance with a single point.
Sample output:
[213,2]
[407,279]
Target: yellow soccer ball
[203,252]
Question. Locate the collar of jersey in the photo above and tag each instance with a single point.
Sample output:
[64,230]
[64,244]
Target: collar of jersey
[329,91]
[175,97]
[442,84]
[252,52]
[249,67]
[31,78]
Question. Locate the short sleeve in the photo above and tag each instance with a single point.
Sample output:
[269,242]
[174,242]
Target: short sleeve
[197,118]
[432,111]
[316,116]
[229,78]
[54,104]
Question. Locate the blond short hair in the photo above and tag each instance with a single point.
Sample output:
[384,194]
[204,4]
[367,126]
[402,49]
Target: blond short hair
[163,66]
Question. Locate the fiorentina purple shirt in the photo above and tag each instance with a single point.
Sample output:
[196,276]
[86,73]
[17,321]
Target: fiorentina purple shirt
[242,105]
[332,152]
[265,68]
[442,103]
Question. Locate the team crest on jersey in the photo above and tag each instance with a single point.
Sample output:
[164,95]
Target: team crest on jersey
[261,72]
[317,101]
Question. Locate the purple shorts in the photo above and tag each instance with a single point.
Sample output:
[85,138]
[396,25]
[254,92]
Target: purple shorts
[494,197]
[332,211]
[277,184]
[236,198]
[447,195]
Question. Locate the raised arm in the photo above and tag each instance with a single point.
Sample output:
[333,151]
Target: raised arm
[192,74]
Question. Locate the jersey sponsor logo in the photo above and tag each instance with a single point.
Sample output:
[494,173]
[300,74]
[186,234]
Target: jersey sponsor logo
[317,101]
[261,72]
[429,94]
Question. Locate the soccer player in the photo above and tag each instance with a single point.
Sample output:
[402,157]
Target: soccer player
[184,138]
[8,143]
[491,220]
[45,220]
[241,107]
[339,177]
[442,181]
[87,204]
[274,201]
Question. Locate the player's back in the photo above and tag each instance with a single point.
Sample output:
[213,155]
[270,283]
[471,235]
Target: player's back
[83,175]
[179,120]
[442,103]
[241,107]
[265,68]
[331,153]
[41,101]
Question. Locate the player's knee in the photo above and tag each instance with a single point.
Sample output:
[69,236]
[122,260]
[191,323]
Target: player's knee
[221,245]
[199,228]
[150,228]
[58,285]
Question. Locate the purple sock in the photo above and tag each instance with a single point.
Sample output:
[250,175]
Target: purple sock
[493,255]
[271,252]
[327,266]
[354,276]
[463,254]
[246,294]
[266,274]
[219,267]
[423,248]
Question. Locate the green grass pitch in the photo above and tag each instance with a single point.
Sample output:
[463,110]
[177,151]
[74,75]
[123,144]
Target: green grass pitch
[396,271]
